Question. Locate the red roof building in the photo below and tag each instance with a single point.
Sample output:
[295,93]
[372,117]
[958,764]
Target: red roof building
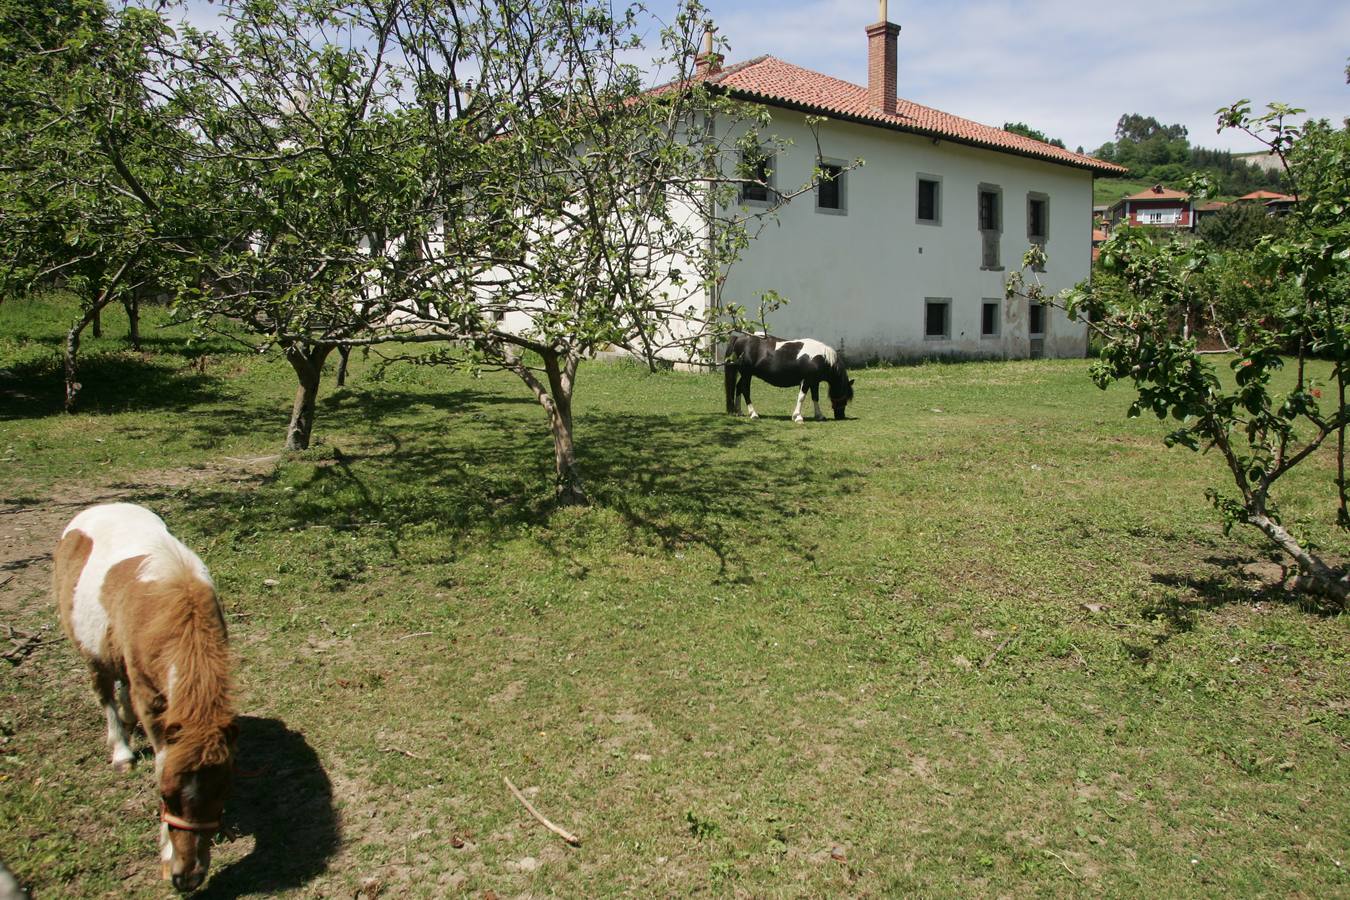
[1276,204]
[1208,208]
[903,251]
[1158,206]
[771,80]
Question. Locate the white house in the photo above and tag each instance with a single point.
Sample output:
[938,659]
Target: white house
[906,256]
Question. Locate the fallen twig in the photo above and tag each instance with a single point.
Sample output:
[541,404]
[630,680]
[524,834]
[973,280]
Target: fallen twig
[408,753]
[560,832]
[1065,865]
[253,460]
[8,579]
[416,634]
[346,525]
[997,650]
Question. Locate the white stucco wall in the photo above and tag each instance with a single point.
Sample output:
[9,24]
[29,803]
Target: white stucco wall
[859,281]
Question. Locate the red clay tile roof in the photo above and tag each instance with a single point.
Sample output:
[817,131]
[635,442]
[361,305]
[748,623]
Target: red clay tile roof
[1210,206]
[1158,192]
[1266,195]
[771,80]
[1098,235]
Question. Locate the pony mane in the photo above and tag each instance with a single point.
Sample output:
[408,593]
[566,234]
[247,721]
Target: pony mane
[189,629]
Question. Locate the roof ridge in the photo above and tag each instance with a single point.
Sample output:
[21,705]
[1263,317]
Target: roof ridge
[849,100]
[815,92]
[738,67]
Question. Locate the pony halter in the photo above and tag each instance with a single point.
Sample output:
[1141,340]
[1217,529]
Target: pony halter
[181,824]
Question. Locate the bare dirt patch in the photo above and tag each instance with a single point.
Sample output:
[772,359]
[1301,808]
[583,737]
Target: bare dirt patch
[29,529]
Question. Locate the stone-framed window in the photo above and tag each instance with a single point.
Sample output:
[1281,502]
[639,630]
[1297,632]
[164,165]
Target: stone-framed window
[937,318]
[991,318]
[989,217]
[759,167]
[1038,221]
[928,200]
[832,188]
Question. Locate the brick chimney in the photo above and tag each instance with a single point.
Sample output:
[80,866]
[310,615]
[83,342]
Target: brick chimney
[882,39]
[707,62]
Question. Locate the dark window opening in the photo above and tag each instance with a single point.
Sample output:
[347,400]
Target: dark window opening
[829,193]
[991,228]
[760,170]
[988,211]
[989,320]
[1036,220]
[935,319]
[928,200]
[1037,320]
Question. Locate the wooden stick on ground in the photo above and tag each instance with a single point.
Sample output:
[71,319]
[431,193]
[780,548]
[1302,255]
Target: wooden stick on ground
[997,650]
[560,832]
[407,753]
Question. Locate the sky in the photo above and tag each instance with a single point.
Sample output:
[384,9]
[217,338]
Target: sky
[1070,67]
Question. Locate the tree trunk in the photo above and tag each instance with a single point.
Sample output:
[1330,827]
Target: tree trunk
[343,354]
[307,361]
[72,349]
[1315,575]
[568,488]
[98,321]
[133,307]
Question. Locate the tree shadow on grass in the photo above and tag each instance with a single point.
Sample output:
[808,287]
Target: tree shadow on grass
[479,470]
[1229,581]
[283,798]
[112,383]
[663,475]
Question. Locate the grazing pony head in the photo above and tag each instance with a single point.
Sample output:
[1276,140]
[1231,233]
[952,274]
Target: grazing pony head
[194,782]
[841,392]
[195,759]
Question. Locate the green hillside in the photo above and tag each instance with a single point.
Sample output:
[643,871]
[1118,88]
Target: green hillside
[1106,191]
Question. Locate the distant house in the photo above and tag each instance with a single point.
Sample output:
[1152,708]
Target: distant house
[1209,208]
[1098,238]
[1158,206]
[1275,203]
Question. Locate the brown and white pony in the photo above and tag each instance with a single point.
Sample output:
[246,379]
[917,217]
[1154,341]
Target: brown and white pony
[142,610]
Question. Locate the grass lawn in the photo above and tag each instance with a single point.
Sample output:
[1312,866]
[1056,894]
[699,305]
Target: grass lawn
[985,637]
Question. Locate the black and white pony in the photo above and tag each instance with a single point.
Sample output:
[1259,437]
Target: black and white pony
[781,363]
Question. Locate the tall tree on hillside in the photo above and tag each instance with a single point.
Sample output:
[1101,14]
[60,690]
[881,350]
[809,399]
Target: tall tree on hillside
[1137,129]
[1035,134]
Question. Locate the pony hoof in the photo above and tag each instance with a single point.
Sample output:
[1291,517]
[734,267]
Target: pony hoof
[798,419]
[121,766]
[754,415]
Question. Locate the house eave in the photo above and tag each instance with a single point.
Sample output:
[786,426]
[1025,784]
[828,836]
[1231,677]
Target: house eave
[808,109]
